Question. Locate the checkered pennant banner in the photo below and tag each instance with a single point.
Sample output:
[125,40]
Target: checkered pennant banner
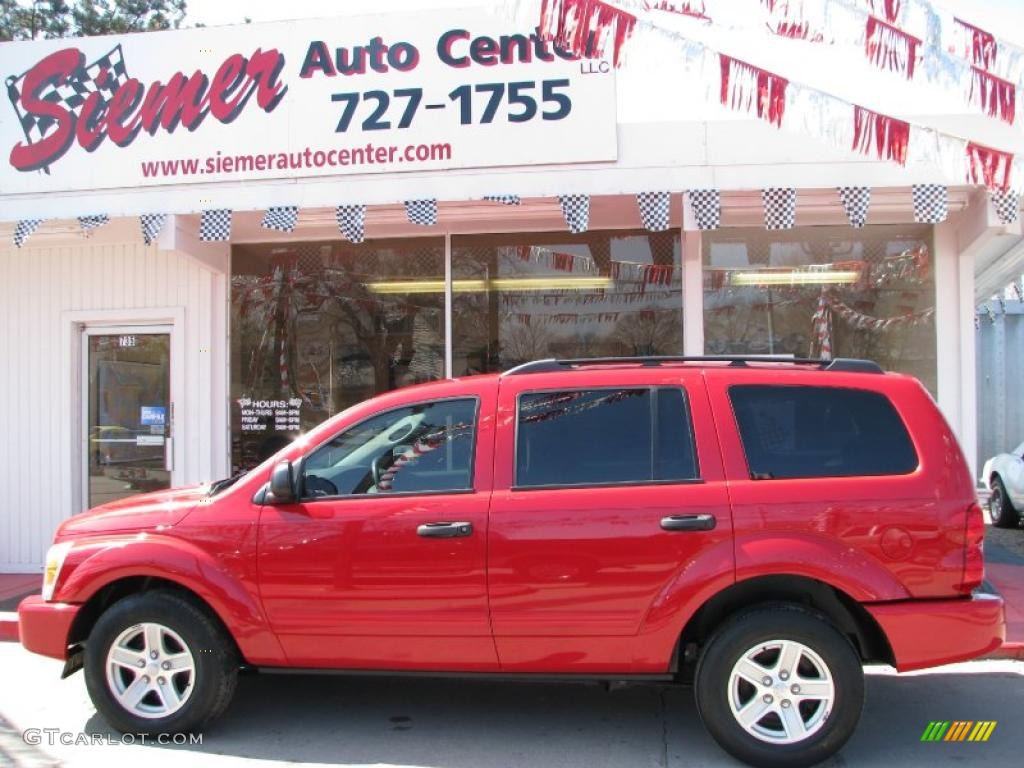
[855,202]
[576,210]
[706,205]
[215,226]
[504,199]
[105,75]
[281,218]
[654,210]
[92,222]
[931,203]
[1007,204]
[779,207]
[24,229]
[351,222]
[422,212]
[151,224]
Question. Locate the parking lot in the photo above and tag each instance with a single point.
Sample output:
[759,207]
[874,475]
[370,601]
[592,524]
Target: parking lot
[357,721]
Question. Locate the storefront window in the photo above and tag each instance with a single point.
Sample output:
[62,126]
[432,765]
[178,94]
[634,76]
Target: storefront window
[823,292]
[524,297]
[317,327]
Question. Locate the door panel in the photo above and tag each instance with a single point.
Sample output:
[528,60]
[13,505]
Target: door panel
[575,572]
[349,581]
[127,414]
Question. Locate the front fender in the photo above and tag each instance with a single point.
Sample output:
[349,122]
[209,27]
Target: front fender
[92,565]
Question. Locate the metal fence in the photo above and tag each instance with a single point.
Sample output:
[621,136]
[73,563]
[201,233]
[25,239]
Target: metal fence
[1000,369]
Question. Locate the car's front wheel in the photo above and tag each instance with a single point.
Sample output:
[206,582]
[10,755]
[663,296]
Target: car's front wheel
[779,686]
[1004,514]
[157,663]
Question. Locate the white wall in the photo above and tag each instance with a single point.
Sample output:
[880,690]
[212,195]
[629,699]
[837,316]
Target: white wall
[40,288]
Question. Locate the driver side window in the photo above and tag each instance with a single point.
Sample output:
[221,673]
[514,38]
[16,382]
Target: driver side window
[423,448]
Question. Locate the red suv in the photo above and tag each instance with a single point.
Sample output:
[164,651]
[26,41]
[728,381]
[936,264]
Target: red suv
[762,528]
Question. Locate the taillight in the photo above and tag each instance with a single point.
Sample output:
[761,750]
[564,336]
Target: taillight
[974,557]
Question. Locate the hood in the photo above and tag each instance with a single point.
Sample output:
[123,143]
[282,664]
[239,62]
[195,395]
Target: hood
[135,513]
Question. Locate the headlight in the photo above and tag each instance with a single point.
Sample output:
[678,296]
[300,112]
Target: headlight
[54,561]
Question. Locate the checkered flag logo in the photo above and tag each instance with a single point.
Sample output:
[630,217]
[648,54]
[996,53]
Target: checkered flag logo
[215,226]
[576,210]
[151,224]
[706,205]
[855,202]
[281,218]
[24,229]
[504,199]
[351,222]
[105,75]
[1007,204]
[654,210]
[779,207]
[931,203]
[88,223]
[422,212]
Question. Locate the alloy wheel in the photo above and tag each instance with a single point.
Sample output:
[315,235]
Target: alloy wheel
[781,692]
[150,670]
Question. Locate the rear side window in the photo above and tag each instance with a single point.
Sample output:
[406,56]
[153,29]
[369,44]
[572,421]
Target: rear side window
[820,432]
[601,436]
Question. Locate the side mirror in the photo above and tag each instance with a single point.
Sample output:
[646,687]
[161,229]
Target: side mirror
[282,486]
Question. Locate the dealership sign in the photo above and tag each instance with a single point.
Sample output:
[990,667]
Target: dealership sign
[348,95]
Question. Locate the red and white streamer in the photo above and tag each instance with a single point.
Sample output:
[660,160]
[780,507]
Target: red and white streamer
[884,137]
[993,95]
[974,44]
[750,89]
[588,27]
[989,167]
[890,48]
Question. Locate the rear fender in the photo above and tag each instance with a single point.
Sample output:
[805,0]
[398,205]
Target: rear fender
[91,566]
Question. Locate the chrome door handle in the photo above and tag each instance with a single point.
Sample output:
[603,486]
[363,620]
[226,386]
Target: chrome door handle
[445,530]
[688,523]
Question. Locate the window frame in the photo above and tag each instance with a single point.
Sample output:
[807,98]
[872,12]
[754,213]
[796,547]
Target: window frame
[652,389]
[844,388]
[300,470]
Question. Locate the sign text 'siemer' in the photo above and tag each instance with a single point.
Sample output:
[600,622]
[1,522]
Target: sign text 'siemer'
[134,107]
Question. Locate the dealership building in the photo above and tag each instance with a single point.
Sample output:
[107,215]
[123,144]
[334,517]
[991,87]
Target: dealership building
[213,239]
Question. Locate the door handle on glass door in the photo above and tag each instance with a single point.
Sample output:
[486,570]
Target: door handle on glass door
[444,530]
[688,523]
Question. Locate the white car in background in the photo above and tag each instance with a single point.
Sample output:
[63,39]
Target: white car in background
[1004,475]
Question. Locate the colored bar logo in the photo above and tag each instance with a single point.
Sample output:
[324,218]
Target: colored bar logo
[958,730]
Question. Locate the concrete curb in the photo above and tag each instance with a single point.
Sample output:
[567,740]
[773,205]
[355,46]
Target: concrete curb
[9,627]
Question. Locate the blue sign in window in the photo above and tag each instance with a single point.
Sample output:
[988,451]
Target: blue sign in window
[153,416]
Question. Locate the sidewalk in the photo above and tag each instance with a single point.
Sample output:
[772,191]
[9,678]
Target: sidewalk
[13,587]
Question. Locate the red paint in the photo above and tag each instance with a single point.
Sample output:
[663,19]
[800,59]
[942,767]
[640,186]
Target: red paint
[553,580]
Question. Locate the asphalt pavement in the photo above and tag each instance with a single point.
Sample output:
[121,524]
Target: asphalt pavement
[374,721]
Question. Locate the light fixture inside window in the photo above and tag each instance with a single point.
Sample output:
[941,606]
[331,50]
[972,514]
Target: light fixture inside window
[795,277]
[594,282]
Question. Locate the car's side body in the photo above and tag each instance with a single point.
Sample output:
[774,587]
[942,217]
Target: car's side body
[553,580]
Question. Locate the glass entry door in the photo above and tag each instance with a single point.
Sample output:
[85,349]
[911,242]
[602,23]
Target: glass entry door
[127,413]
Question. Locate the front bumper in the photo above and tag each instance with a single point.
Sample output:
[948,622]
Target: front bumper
[45,626]
[929,633]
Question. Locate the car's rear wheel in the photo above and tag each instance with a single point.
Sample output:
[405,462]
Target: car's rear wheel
[1004,514]
[158,663]
[780,686]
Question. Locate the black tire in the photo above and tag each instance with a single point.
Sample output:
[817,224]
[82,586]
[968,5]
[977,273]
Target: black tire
[742,634]
[1004,514]
[215,662]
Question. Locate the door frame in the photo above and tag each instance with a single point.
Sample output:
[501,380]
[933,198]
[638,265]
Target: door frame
[77,326]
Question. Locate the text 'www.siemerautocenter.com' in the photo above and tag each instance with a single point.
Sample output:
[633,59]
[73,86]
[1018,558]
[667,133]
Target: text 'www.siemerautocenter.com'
[370,154]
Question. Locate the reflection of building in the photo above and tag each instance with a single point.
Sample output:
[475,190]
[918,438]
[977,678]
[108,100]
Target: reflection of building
[308,316]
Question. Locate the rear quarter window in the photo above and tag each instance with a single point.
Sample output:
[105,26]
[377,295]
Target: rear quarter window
[804,431]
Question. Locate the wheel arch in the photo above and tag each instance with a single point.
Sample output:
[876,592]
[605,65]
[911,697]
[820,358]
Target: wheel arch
[118,589]
[849,616]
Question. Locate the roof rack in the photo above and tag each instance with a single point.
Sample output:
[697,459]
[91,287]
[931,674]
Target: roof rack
[843,364]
